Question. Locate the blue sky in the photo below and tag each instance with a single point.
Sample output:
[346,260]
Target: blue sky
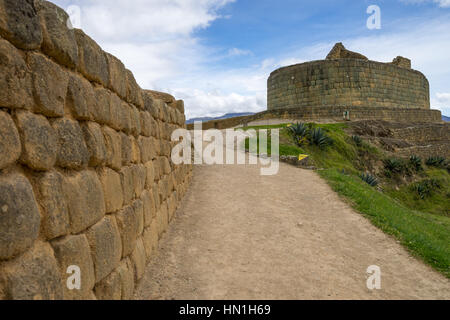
[217,54]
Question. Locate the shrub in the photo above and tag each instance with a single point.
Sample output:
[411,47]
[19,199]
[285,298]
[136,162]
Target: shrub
[416,163]
[393,165]
[425,188]
[369,179]
[357,140]
[436,161]
[319,138]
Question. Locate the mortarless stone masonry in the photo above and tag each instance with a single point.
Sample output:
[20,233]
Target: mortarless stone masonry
[84,161]
[351,80]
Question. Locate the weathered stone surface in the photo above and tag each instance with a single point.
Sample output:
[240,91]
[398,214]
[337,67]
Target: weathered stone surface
[180,107]
[110,288]
[50,83]
[32,276]
[92,59]
[80,98]
[139,176]
[95,142]
[25,35]
[138,207]
[16,89]
[75,251]
[155,191]
[126,149]
[135,121]
[138,258]
[126,273]
[58,39]
[147,149]
[146,123]
[101,111]
[112,189]
[128,223]
[134,92]
[162,219]
[135,150]
[113,143]
[167,98]
[73,152]
[19,215]
[150,240]
[115,109]
[150,174]
[402,62]
[106,246]
[10,146]
[126,178]
[125,117]
[54,209]
[149,207]
[84,196]
[40,142]
[339,52]
[117,80]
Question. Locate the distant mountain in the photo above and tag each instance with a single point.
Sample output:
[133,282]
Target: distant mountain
[446,119]
[225,116]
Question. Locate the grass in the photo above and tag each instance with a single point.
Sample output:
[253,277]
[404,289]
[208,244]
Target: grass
[421,225]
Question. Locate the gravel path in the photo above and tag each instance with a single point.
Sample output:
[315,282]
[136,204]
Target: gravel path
[240,235]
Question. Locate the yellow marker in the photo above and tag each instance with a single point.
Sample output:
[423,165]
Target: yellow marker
[302,156]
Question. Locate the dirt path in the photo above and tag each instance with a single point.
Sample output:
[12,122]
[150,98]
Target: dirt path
[239,235]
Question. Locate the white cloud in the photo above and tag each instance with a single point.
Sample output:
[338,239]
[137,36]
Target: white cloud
[441,3]
[238,52]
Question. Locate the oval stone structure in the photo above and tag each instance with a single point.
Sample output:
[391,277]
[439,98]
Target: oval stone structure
[348,79]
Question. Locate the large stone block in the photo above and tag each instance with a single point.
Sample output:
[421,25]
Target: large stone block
[126,149]
[106,246]
[115,109]
[128,223]
[84,196]
[139,176]
[101,110]
[138,258]
[10,147]
[162,219]
[110,288]
[92,59]
[73,152]
[135,121]
[54,209]
[19,23]
[75,251]
[16,89]
[112,189]
[32,276]
[126,273]
[149,208]
[146,123]
[95,142]
[147,149]
[19,215]
[58,39]
[135,151]
[113,143]
[50,83]
[125,117]
[134,92]
[138,207]
[80,98]
[117,76]
[150,240]
[150,175]
[40,142]
[126,178]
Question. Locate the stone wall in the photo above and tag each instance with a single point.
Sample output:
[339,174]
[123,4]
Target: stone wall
[330,114]
[350,83]
[85,173]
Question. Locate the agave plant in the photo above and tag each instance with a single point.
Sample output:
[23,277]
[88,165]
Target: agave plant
[394,165]
[319,138]
[357,140]
[369,179]
[416,163]
[299,133]
[435,161]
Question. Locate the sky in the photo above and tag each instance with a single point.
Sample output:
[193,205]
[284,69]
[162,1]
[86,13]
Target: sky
[216,55]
